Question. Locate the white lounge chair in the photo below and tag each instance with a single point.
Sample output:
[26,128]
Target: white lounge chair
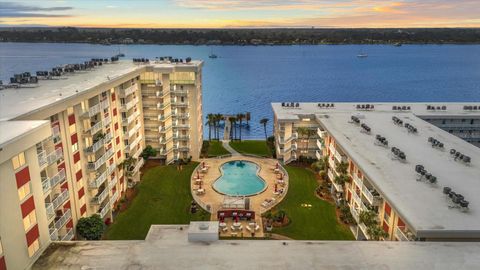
[248,228]
[257,227]
[233,228]
[225,229]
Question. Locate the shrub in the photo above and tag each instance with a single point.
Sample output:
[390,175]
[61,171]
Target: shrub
[90,228]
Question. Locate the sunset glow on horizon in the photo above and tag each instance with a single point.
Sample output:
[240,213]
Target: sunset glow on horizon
[241,13]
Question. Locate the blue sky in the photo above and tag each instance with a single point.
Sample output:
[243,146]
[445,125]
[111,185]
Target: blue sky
[241,13]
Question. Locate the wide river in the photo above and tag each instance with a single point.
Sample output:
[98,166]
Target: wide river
[249,78]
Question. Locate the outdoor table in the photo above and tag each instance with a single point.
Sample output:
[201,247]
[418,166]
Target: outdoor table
[237,224]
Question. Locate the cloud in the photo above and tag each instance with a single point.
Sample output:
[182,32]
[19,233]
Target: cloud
[15,10]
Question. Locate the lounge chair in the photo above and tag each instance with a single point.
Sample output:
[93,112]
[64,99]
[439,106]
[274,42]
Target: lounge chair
[257,227]
[225,229]
[248,228]
[240,228]
[233,228]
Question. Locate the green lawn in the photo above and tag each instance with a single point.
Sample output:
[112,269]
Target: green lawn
[316,223]
[216,149]
[258,148]
[163,198]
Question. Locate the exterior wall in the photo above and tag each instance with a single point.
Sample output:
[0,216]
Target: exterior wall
[465,127]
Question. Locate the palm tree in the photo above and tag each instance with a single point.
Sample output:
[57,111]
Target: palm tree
[218,119]
[240,118]
[264,122]
[210,122]
[232,127]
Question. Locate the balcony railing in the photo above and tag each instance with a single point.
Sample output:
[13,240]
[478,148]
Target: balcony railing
[100,161]
[103,211]
[164,117]
[134,130]
[357,181]
[318,155]
[112,182]
[181,115]
[53,234]
[113,199]
[63,219]
[132,117]
[68,236]
[60,199]
[162,106]
[369,196]
[100,179]
[134,144]
[100,197]
[355,214]
[98,144]
[340,158]
[50,210]
[294,136]
[180,104]
[127,106]
[356,198]
[164,129]
[180,125]
[321,133]
[138,166]
[129,90]
[138,153]
[52,157]
[401,235]
[179,91]
[292,147]
[92,111]
[181,137]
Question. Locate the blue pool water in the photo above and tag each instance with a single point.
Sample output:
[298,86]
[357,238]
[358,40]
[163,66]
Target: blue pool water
[248,78]
[239,178]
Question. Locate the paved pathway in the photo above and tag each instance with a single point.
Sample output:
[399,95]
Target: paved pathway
[227,146]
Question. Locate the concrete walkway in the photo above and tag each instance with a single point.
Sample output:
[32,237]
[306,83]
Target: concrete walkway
[226,145]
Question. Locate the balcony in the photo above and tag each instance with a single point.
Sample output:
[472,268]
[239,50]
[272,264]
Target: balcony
[127,106]
[356,198]
[134,130]
[180,104]
[152,126]
[103,211]
[294,136]
[48,183]
[374,200]
[358,181]
[364,230]
[402,234]
[128,91]
[100,161]
[331,164]
[182,148]
[53,234]
[151,93]
[63,219]
[60,199]
[321,134]
[181,115]
[56,132]
[164,117]
[137,167]
[318,155]
[331,176]
[163,106]
[340,158]
[164,129]
[95,109]
[98,199]
[319,145]
[138,153]
[179,91]
[99,143]
[100,179]
[162,140]
[113,200]
[68,236]
[181,137]
[355,214]
[127,121]
[293,147]
[44,159]
[50,210]
[112,182]
[131,146]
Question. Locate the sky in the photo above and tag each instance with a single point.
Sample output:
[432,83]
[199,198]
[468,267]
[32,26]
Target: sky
[241,13]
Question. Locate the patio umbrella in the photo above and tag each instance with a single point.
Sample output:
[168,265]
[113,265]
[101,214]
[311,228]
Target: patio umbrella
[203,164]
[198,174]
[200,185]
[276,166]
[275,187]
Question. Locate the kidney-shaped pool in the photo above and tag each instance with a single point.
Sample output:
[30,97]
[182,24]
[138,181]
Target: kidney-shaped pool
[239,178]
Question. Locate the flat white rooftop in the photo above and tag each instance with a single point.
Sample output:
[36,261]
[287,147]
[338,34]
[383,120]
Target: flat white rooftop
[17,102]
[13,130]
[418,108]
[166,247]
[422,205]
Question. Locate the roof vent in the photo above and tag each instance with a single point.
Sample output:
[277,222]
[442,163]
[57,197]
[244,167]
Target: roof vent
[381,141]
[398,154]
[457,200]
[436,143]
[411,128]
[457,156]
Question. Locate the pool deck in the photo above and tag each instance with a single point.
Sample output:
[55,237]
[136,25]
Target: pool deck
[215,199]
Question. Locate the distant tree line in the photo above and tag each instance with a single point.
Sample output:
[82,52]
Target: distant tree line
[287,36]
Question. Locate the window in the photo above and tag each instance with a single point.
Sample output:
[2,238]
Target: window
[24,191]
[74,147]
[18,161]
[72,129]
[33,248]
[386,217]
[29,221]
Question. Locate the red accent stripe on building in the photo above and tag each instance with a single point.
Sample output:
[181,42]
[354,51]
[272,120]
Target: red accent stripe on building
[121,180]
[71,119]
[78,175]
[114,111]
[388,210]
[3,264]
[74,138]
[61,165]
[83,209]
[22,177]
[69,224]
[59,145]
[67,206]
[32,235]
[385,226]
[117,140]
[81,192]
[27,206]
[119,153]
[400,223]
[76,157]
[113,96]
[116,126]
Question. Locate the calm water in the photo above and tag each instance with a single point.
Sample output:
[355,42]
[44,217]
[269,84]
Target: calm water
[249,78]
[239,178]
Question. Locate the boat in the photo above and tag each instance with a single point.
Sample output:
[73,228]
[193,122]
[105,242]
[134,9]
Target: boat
[362,55]
[213,56]
[398,44]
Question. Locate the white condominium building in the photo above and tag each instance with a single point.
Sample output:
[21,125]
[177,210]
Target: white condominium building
[70,146]
[399,161]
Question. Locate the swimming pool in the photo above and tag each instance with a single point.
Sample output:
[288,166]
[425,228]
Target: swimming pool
[239,178]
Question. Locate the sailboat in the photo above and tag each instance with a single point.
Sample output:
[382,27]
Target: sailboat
[212,55]
[362,55]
